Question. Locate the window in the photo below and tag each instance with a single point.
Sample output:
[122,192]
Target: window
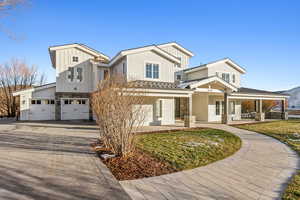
[223,105]
[124,68]
[148,70]
[79,74]
[155,71]
[23,102]
[47,101]
[217,107]
[70,74]
[38,101]
[82,101]
[178,77]
[66,102]
[52,101]
[152,70]
[75,59]
[233,78]
[226,77]
[33,102]
[105,76]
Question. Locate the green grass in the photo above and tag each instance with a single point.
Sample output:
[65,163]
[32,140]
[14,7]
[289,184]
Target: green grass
[177,147]
[283,131]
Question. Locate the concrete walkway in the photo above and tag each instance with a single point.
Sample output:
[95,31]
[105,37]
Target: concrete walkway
[259,170]
[53,164]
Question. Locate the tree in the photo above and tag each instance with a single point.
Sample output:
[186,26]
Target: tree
[249,106]
[15,75]
[119,110]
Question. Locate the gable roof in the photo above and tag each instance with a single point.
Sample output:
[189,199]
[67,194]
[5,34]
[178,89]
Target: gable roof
[82,47]
[178,46]
[224,60]
[144,48]
[191,84]
[34,88]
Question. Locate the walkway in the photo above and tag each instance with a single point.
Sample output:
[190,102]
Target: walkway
[53,164]
[259,170]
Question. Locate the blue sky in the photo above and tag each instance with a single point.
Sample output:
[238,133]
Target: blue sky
[261,36]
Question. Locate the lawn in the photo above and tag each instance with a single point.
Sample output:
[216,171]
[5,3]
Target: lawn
[289,133]
[189,148]
[167,152]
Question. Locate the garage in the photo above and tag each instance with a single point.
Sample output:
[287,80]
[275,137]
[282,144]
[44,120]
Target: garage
[74,109]
[42,109]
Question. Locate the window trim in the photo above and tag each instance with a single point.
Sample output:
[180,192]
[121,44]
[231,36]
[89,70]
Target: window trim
[152,71]
[75,60]
[218,108]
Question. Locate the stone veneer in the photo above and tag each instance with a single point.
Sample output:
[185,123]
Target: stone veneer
[60,95]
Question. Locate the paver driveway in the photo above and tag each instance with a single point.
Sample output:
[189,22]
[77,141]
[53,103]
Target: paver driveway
[57,165]
[259,170]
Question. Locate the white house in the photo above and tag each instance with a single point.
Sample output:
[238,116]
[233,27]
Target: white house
[174,90]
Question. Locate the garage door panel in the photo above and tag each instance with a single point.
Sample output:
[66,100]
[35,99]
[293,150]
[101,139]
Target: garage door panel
[42,112]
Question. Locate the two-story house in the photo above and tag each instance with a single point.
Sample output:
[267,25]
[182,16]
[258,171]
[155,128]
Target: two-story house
[174,90]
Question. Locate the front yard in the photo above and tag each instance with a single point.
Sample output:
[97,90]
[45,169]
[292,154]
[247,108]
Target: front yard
[167,152]
[289,133]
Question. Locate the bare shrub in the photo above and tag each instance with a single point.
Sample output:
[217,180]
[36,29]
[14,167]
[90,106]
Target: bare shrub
[118,106]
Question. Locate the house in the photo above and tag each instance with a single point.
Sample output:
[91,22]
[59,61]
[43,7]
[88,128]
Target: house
[210,93]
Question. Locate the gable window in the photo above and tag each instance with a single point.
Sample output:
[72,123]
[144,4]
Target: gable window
[217,107]
[79,74]
[152,70]
[70,74]
[75,59]
[226,77]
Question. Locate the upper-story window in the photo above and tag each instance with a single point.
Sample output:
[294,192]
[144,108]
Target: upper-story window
[152,70]
[226,77]
[233,78]
[71,74]
[178,77]
[75,58]
[79,74]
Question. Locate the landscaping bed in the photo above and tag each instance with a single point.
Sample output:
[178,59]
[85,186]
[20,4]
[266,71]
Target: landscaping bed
[168,152]
[289,133]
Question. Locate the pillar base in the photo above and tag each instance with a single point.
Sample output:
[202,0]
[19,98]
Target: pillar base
[285,115]
[260,117]
[189,121]
[226,119]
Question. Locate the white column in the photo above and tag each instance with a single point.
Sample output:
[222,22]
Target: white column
[189,119]
[225,119]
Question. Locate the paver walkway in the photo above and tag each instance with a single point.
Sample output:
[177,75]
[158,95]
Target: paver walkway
[259,170]
[53,164]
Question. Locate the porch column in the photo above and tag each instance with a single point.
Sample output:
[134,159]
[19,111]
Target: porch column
[189,120]
[284,114]
[225,118]
[259,116]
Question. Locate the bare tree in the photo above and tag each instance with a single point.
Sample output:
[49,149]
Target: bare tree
[15,75]
[118,106]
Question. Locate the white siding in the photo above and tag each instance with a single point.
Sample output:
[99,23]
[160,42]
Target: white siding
[64,61]
[177,53]
[196,75]
[223,67]
[136,66]
[200,106]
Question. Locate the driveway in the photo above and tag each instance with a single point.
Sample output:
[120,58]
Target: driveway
[54,164]
[259,170]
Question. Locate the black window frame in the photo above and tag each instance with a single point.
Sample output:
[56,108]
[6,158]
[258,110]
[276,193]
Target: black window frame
[75,59]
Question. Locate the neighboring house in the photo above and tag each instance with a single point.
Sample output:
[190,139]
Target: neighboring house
[174,91]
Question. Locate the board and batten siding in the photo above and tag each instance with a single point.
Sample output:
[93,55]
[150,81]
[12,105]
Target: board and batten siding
[64,61]
[179,54]
[225,68]
[136,67]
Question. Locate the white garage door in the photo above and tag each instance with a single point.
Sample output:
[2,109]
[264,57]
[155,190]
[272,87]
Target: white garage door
[73,109]
[42,109]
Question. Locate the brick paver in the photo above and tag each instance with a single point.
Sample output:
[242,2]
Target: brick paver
[259,170]
[53,164]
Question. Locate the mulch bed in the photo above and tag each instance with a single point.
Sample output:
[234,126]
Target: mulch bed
[137,165]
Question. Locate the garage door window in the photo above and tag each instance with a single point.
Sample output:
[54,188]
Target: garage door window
[33,102]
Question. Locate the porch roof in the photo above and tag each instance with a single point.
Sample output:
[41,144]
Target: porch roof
[249,93]
[244,90]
